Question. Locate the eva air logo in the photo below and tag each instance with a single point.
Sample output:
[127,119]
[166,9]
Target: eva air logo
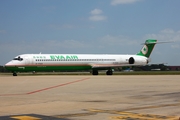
[144,50]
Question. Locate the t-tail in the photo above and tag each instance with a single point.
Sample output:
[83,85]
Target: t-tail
[147,48]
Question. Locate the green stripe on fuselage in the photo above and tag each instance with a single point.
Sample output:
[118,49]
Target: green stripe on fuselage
[47,68]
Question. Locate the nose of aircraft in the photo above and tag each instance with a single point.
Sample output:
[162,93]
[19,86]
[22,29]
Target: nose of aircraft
[8,64]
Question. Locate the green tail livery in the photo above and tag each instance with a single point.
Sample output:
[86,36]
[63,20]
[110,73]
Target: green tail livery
[147,48]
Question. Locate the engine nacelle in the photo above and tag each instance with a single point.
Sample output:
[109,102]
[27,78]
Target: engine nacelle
[131,60]
[138,60]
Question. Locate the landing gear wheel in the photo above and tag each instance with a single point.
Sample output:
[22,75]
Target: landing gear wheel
[14,74]
[95,72]
[109,72]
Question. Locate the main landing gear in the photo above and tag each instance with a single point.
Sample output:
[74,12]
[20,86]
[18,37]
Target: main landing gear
[109,72]
[95,72]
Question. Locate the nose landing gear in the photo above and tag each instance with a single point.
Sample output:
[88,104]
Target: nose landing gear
[14,74]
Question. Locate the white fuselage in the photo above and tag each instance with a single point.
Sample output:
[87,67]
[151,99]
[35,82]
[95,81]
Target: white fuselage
[72,62]
[53,62]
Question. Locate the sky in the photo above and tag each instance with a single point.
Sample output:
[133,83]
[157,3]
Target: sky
[89,27]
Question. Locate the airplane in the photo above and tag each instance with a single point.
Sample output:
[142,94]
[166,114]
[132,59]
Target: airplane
[75,62]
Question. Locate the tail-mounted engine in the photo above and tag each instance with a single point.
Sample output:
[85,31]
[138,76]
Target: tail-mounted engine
[138,60]
[131,60]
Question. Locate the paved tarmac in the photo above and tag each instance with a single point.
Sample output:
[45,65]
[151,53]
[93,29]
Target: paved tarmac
[146,97]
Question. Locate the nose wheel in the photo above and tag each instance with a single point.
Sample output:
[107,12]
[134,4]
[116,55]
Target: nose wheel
[14,74]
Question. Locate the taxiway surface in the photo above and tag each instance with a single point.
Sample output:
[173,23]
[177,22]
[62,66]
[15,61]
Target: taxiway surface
[90,97]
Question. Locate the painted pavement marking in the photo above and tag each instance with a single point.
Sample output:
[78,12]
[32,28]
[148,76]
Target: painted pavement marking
[137,116]
[30,117]
[133,116]
[26,118]
[44,89]
[114,115]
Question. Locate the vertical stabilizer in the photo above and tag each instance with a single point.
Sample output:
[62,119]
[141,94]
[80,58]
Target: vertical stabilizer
[147,48]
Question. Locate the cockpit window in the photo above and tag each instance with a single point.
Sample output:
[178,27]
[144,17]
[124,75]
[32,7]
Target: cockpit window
[19,58]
